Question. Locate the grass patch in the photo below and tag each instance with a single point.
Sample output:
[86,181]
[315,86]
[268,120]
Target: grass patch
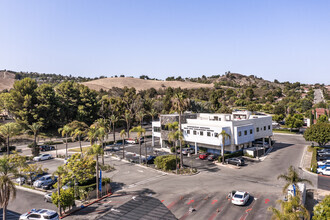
[314,160]
[78,149]
[284,131]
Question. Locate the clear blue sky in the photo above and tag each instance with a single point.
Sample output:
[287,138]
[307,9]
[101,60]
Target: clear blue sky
[284,40]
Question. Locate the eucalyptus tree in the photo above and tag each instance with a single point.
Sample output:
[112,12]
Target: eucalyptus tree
[139,133]
[180,104]
[95,151]
[123,135]
[224,136]
[8,131]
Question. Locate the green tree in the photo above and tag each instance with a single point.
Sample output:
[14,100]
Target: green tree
[295,121]
[153,113]
[322,119]
[8,131]
[127,117]
[34,129]
[123,135]
[65,131]
[278,118]
[292,178]
[224,136]
[102,132]
[65,199]
[180,104]
[319,133]
[96,150]
[322,210]
[249,93]
[114,119]
[139,116]
[60,172]
[173,136]
[139,133]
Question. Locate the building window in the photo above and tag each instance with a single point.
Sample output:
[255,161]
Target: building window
[251,131]
[156,129]
[208,134]
[245,132]
[268,127]
[257,129]
[216,134]
[188,131]
[201,133]
[194,132]
[264,128]
[239,133]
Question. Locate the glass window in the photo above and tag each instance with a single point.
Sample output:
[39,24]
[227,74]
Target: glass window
[245,132]
[264,128]
[268,127]
[188,131]
[239,133]
[201,133]
[208,134]
[251,131]
[216,134]
[258,129]
[194,132]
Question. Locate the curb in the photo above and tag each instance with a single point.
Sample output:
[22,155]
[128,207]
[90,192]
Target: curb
[301,161]
[31,190]
[279,133]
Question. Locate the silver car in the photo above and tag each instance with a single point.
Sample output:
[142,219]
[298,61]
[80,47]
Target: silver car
[43,181]
[48,197]
[40,214]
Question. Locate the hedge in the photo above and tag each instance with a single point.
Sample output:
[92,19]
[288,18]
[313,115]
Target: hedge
[314,160]
[235,154]
[166,162]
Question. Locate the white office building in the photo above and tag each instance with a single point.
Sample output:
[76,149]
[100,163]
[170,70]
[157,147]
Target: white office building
[203,129]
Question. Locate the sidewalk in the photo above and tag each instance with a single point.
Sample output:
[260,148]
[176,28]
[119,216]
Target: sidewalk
[306,159]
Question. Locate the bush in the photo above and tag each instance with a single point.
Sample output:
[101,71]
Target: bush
[4,148]
[53,142]
[314,160]
[166,162]
[173,149]
[202,149]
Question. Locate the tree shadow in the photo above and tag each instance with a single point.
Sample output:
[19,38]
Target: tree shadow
[280,146]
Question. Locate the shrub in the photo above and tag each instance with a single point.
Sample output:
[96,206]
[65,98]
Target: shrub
[53,142]
[202,149]
[166,162]
[314,160]
[235,154]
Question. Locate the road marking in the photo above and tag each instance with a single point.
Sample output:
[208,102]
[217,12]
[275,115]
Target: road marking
[266,201]
[145,181]
[214,201]
[163,200]
[191,201]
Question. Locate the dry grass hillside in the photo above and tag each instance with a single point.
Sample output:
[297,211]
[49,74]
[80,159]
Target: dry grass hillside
[7,80]
[141,84]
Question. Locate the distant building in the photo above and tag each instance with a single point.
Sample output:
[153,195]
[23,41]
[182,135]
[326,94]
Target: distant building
[318,112]
[203,129]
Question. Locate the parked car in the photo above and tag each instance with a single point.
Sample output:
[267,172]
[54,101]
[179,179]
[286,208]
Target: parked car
[44,180]
[235,161]
[49,185]
[204,156]
[324,153]
[26,179]
[324,162]
[46,148]
[321,168]
[325,171]
[48,197]
[212,157]
[131,141]
[239,197]
[40,214]
[150,159]
[42,157]
[185,151]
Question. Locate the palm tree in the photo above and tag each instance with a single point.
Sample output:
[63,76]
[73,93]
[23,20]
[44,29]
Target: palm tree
[92,134]
[139,132]
[180,103]
[96,150]
[291,209]
[113,120]
[59,172]
[79,129]
[65,131]
[173,138]
[123,135]
[139,116]
[7,186]
[9,130]
[153,113]
[224,136]
[292,178]
[102,132]
[127,117]
[35,128]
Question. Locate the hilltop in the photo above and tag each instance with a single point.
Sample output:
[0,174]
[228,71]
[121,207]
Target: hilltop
[141,84]
[7,79]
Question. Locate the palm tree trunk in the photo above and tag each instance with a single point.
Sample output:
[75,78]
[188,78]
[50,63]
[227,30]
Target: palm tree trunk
[181,157]
[222,150]
[97,176]
[176,158]
[114,134]
[103,153]
[81,150]
[8,144]
[4,211]
[59,193]
[66,145]
[140,151]
[123,148]
[127,124]
[145,148]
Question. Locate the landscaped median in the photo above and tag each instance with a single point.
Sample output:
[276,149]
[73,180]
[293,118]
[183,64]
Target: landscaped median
[313,167]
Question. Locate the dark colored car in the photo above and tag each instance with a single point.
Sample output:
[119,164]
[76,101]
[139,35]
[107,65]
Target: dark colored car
[235,161]
[321,158]
[150,159]
[49,185]
[204,156]
[46,148]
[212,157]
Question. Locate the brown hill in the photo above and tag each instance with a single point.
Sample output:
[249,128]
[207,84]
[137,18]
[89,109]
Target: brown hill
[7,79]
[141,84]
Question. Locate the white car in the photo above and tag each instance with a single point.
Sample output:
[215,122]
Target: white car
[240,198]
[40,214]
[325,171]
[325,162]
[42,157]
